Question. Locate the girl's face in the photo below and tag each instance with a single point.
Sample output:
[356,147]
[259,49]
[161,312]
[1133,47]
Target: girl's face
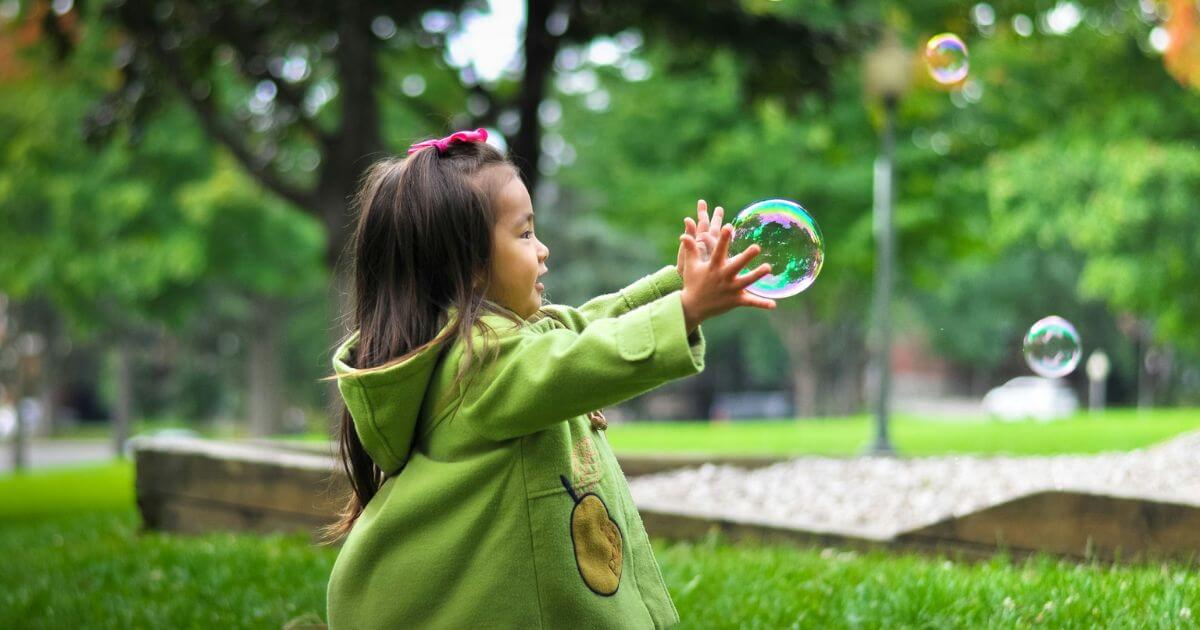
[518,257]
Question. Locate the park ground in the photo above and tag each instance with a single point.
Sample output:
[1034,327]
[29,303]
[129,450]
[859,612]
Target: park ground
[75,555]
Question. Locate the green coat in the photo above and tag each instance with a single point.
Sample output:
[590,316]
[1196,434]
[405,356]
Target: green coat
[509,510]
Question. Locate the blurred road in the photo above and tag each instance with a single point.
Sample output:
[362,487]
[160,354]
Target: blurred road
[53,453]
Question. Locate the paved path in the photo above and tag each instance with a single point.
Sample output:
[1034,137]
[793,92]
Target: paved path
[55,453]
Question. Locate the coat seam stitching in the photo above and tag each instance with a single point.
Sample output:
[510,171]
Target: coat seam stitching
[532,552]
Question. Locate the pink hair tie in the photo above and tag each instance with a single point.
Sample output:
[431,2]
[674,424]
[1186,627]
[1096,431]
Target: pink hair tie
[479,135]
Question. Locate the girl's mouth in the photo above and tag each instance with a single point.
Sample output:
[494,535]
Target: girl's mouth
[539,286]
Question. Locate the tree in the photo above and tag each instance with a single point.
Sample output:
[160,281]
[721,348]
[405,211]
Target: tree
[321,74]
[124,242]
[642,160]
[1021,130]
[1130,210]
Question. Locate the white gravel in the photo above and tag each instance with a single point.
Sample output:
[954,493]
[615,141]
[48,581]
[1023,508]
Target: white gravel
[873,497]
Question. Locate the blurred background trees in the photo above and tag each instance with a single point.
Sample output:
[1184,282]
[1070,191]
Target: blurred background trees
[175,180]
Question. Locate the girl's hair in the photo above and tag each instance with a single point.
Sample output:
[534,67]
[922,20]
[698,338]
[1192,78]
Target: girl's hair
[423,243]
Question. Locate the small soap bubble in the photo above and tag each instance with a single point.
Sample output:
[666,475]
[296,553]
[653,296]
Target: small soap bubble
[790,241]
[946,58]
[1052,347]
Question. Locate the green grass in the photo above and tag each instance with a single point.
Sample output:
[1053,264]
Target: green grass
[779,587]
[66,491]
[94,569]
[71,564]
[1114,430]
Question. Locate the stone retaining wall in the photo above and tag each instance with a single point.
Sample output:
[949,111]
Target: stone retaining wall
[192,485]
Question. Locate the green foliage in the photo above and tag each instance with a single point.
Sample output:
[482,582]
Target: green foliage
[663,143]
[1056,180]
[1129,209]
[667,142]
[253,242]
[114,233]
[95,230]
[989,176]
[153,232]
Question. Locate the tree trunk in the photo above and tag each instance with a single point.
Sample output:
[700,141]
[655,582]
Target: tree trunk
[540,48]
[49,399]
[50,374]
[847,362]
[849,387]
[20,444]
[265,393]
[123,408]
[358,141]
[796,331]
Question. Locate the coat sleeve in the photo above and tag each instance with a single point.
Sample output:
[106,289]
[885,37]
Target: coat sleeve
[645,290]
[540,378]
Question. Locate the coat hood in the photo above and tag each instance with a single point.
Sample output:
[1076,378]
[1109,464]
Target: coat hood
[386,404]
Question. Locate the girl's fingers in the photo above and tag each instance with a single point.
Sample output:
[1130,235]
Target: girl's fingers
[718,215]
[702,220]
[689,245]
[689,226]
[722,248]
[744,281]
[740,261]
[749,299]
[758,302]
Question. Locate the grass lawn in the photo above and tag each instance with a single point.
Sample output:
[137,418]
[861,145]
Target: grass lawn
[61,491]
[1114,430]
[74,560]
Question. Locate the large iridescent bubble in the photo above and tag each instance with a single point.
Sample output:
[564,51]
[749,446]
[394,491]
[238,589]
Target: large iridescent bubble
[790,240]
[1052,347]
[946,58]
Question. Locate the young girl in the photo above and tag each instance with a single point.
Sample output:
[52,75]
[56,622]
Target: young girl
[485,493]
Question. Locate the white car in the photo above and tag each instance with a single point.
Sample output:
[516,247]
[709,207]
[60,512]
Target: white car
[1034,397]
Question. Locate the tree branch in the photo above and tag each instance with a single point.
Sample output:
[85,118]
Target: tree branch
[246,46]
[212,124]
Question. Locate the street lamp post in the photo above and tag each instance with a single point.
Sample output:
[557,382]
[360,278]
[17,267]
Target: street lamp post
[888,77]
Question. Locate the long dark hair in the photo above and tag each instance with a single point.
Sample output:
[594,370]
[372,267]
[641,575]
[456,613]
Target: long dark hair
[423,243]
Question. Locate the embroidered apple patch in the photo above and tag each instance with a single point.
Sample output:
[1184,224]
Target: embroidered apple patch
[597,542]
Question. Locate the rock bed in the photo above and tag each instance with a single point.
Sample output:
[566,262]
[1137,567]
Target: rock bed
[874,497]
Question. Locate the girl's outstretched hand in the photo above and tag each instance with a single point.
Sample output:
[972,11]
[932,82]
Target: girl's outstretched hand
[704,231]
[712,287]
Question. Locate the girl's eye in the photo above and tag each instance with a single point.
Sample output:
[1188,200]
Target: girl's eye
[527,234]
